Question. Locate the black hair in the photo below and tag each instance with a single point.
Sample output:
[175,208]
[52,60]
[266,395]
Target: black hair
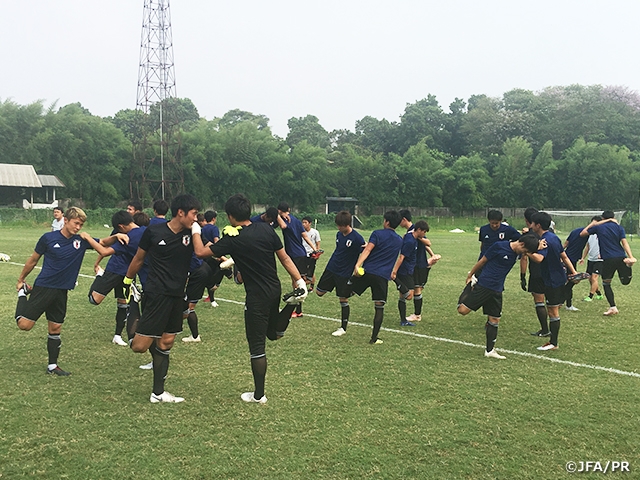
[529,213]
[161,207]
[121,217]
[608,214]
[141,219]
[184,202]
[199,218]
[530,242]
[284,207]
[421,225]
[343,218]
[210,215]
[308,219]
[271,213]
[393,217]
[494,215]
[543,219]
[405,214]
[137,206]
[58,208]
[239,207]
[597,218]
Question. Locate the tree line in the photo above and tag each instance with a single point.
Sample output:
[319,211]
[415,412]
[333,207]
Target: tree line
[572,147]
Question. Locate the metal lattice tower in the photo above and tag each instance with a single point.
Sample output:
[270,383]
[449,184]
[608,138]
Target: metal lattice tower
[157,146]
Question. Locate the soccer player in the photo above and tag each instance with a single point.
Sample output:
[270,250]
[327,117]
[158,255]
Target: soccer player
[211,233]
[374,267]
[270,217]
[536,285]
[58,219]
[63,251]
[615,253]
[551,259]
[495,231]
[134,206]
[254,247]
[160,209]
[574,245]
[112,276]
[349,245]
[169,249]
[312,254]
[494,265]
[594,265]
[404,267]
[200,277]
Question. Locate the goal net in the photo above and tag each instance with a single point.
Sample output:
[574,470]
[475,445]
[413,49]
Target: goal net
[567,220]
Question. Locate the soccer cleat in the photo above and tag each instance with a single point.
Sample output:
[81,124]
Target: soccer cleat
[577,277]
[4,257]
[339,332]
[598,297]
[572,308]
[117,340]
[100,272]
[58,371]
[165,397]
[206,299]
[228,263]
[377,341]
[587,299]
[190,339]
[147,366]
[540,333]
[547,346]
[249,398]
[293,297]
[214,304]
[611,311]
[136,292]
[414,318]
[494,354]
[24,290]
[407,324]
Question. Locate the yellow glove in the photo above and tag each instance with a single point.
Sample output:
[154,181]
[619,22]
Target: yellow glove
[231,230]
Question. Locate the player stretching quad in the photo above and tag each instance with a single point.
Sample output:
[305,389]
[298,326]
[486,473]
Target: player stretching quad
[493,266]
[63,251]
[252,246]
[374,267]
[495,231]
[615,253]
[168,248]
[349,244]
[554,275]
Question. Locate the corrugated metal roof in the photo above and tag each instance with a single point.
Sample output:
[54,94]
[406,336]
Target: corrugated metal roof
[12,175]
[50,181]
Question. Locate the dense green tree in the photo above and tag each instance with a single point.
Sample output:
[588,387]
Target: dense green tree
[511,173]
[307,129]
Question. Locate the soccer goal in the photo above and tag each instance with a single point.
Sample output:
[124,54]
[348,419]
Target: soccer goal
[567,220]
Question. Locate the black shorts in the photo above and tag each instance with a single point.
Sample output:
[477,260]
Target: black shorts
[310,267]
[258,317]
[536,285]
[329,281]
[489,300]
[420,277]
[612,265]
[200,279]
[301,265]
[106,282]
[50,301]
[379,286]
[160,314]
[404,283]
[594,267]
[555,296]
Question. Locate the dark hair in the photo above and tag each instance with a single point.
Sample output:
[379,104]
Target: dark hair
[121,217]
[284,207]
[421,225]
[543,219]
[239,207]
[161,207]
[343,218]
[58,208]
[184,202]
[530,242]
[405,214]
[271,213]
[137,206]
[529,213]
[210,215]
[199,218]
[494,215]
[608,214]
[597,218]
[141,219]
[393,217]
[308,219]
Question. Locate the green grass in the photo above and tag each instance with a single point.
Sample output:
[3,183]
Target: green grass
[338,408]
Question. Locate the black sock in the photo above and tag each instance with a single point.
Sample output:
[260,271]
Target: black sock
[259,370]
[212,294]
[377,322]
[345,311]
[192,320]
[121,317]
[53,348]
[598,292]
[402,308]
[492,334]
[282,323]
[554,325]
[569,293]
[608,292]
[541,312]
[299,308]
[417,304]
[21,306]
[591,294]
[133,315]
[160,367]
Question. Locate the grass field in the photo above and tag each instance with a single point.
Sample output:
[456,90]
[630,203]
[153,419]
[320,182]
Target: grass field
[417,407]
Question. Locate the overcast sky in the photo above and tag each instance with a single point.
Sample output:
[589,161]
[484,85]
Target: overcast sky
[337,60]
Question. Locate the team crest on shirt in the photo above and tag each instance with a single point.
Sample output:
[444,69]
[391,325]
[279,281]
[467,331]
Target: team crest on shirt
[76,244]
[186,240]
[348,243]
[501,235]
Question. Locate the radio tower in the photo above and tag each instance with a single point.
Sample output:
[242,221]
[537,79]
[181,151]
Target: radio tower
[157,169]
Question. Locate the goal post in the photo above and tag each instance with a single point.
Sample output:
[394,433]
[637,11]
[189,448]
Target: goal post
[567,220]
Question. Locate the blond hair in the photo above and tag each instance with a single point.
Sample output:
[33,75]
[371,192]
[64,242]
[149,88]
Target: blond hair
[75,212]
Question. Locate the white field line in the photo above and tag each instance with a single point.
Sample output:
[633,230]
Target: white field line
[442,339]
